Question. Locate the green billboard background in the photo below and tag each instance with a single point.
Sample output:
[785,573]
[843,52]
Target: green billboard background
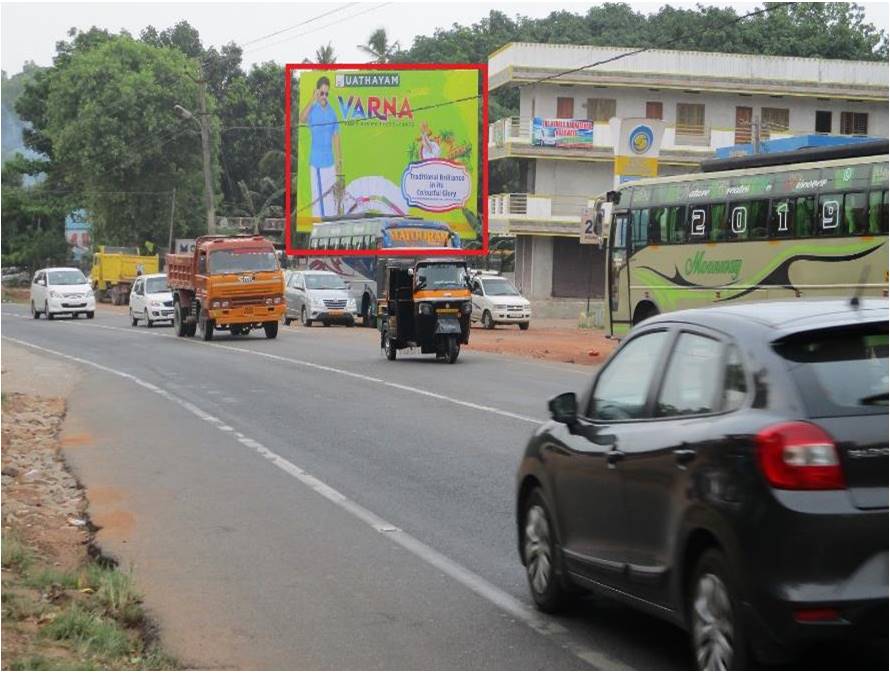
[408,145]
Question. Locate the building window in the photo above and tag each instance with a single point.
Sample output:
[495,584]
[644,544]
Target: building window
[600,109]
[823,121]
[773,120]
[654,109]
[690,119]
[854,123]
[565,108]
[743,117]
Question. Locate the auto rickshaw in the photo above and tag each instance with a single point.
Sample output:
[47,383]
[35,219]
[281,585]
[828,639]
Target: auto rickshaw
[424,304]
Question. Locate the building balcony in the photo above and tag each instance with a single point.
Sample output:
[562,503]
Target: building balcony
[511,214]
[511,138]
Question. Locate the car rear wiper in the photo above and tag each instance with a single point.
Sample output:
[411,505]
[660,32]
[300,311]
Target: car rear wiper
[873,399]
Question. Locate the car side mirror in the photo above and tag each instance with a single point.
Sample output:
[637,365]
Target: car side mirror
[564,408]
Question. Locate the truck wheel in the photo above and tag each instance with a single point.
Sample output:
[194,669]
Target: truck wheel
[271,329]
[180,326]
[191,328]
[207,325]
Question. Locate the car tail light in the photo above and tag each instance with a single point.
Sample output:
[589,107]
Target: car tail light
[817,615]
[799,456]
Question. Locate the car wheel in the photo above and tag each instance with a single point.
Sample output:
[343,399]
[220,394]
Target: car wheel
[523,326]
[389,347]
[287,321]
[718,641]
[49,316]
[133,319]
[487,320]
[148,323]
[539,549]
[91,315]
[304,318]
[34,312]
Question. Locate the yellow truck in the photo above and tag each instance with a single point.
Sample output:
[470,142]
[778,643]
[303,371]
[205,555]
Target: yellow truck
[115,269]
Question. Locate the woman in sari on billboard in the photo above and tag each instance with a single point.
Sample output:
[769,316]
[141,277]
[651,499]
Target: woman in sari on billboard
[325,158]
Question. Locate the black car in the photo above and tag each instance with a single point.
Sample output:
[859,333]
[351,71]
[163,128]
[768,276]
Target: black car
[727,471]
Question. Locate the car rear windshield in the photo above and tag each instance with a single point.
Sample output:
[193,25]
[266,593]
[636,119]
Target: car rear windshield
[840,371]
[68,277]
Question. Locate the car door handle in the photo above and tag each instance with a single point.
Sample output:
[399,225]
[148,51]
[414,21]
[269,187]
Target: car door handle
[684,457]
[614,457]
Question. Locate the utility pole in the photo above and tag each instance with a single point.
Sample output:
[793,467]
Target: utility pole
[205,150]
[203,123]
[172,211]
[755,134]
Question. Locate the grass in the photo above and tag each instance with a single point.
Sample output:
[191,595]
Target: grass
[95,613]
[15,555]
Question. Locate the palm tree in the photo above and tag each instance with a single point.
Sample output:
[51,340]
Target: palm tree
[378,46]
[325,54]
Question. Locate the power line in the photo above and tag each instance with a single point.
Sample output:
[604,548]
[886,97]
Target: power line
[327,25]
[297,25]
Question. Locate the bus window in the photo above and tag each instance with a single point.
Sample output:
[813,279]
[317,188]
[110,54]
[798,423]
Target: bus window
[699,223]
[717,221]
[875,212]
[828,217]
[658,226]
[676,223]
[747,220]
[640,229]
[855,214]
[781,218]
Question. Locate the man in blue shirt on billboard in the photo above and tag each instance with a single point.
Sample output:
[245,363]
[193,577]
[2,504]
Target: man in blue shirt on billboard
[325,159]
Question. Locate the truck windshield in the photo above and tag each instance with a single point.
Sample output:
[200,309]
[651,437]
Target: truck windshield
[242,261]
[68,277]
[441,276]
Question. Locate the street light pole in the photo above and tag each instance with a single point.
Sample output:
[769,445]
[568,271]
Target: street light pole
[204,125]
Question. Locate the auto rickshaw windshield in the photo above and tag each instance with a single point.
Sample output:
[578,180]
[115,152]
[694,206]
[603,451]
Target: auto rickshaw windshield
[441,276]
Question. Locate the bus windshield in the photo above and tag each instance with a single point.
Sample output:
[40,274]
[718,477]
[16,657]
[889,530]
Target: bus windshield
[441,276]
[242,261]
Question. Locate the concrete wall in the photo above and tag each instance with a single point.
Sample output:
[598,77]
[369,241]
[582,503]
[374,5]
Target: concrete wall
[534,266]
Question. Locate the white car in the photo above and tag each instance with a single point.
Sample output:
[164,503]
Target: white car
[497,302]
[61,290]
[151,300]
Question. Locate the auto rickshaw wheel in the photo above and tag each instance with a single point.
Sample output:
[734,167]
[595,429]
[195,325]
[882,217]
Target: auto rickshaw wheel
[453,350]
[389,347]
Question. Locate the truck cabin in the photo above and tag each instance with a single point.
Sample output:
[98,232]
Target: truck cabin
[234,255]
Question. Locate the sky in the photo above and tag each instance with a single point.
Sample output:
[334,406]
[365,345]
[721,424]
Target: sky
[285,32]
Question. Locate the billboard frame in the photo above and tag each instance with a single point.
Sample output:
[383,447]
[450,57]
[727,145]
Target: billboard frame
[290,68]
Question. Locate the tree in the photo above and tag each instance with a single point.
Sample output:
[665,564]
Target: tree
[325,54]
[379,48]
[104,112]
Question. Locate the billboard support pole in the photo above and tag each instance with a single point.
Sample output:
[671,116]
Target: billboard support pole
[172,211]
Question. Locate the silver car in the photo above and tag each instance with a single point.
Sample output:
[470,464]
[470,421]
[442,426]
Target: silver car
[318,296]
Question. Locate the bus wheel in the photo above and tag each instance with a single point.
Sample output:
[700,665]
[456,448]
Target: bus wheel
[644,311]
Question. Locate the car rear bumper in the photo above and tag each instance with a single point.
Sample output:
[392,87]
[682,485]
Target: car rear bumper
[247,314]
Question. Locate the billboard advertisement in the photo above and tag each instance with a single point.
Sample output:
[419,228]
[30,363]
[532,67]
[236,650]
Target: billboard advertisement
[638,147]
[388,140]
[562,133]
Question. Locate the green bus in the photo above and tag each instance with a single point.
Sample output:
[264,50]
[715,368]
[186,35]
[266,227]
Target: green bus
[795,230]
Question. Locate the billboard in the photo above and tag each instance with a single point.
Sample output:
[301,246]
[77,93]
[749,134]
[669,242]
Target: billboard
[563,133]
[388,140]
[637,148]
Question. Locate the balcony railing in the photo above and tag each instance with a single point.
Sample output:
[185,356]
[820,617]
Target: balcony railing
[537,206]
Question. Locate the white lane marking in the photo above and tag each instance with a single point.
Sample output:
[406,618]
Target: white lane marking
[538,622]
[329,369]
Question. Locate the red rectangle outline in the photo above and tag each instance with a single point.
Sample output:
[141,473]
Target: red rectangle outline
[389,252]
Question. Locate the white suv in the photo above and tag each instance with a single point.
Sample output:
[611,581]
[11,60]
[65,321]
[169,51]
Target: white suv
[497,301]
[61,290]
[151,300]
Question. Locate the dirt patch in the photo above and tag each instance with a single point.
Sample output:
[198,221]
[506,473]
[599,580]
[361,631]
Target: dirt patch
[556,340]
[16,295]
[64,605]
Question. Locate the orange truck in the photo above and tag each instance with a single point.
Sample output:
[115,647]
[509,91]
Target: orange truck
[229,283]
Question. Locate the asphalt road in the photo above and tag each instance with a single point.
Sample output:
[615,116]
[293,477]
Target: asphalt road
[304,503]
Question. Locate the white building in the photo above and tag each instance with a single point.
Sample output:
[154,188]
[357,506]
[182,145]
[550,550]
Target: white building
[707,100]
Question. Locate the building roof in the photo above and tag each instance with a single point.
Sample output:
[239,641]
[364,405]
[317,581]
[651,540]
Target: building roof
[524,63]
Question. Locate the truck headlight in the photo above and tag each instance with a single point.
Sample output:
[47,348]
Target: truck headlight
[215,304]
[425,308]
